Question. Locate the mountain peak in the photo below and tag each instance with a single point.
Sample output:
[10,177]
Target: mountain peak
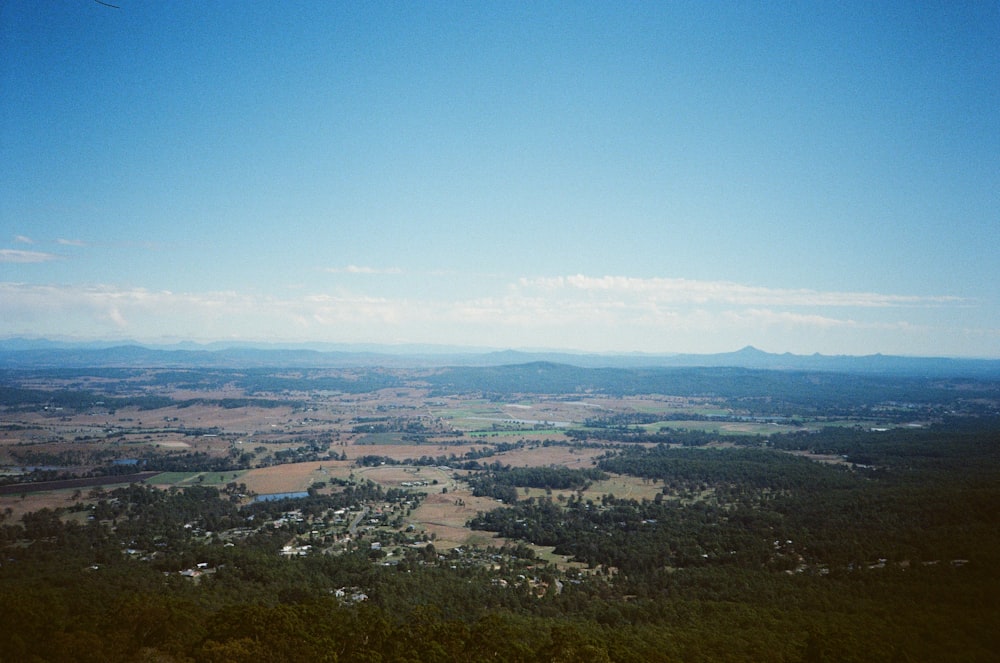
[750,350]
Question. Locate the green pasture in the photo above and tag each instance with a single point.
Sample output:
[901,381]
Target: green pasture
[470,417]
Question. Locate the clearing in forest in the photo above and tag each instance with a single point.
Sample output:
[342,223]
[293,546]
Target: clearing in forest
[294,477]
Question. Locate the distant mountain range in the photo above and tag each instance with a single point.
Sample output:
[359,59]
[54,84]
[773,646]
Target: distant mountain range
[41,353]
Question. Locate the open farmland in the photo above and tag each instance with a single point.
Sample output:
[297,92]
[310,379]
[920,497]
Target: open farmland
[445,516]
[223,427]
[420,479]
[402,452]
[293,477]
[396,490]
[273,431]
[544,456]
[15,506]
[286,430]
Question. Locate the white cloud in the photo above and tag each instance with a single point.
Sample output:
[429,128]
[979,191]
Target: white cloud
[768,317]
[355,269]
[685,291]
[584,313]
[23,239]
[15,255]
[71,242]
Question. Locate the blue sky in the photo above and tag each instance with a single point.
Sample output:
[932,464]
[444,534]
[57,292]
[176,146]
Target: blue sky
[656,177]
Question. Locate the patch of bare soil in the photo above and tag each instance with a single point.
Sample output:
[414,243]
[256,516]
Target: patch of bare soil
[34,501]
[446,514]
[574,459]
[396,476]
[294,477]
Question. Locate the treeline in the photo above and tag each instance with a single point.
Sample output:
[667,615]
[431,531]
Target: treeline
[760,392]
[390,425]
[467,461]
[723,468]
[23,399]
[957,445]
[623,420]
[502,484]
[174,461]
[630,435]
[351,382]
[312,451]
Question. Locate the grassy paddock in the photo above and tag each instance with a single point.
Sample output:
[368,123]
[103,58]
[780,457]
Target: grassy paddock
[565,456]
[624,487]
[380,438]
[197,478]
[294,477]
[393,476]
[445,516]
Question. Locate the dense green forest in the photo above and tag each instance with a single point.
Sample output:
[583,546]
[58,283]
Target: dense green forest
[745,554]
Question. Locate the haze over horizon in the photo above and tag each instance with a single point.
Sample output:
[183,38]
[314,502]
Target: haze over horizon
[678,177]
